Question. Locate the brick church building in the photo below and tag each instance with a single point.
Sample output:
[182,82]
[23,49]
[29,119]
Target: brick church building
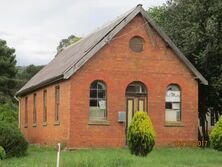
[87,95]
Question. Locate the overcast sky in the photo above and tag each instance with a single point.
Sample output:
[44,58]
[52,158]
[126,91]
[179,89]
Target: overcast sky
[35,27]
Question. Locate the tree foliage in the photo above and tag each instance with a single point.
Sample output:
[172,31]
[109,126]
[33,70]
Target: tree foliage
[7,72]
[26,73]
[66,42]
[2,153]
[216,136]
[9,114]
[195,26]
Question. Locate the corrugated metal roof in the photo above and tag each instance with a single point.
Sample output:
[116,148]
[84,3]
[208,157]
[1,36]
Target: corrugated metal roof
[69,60]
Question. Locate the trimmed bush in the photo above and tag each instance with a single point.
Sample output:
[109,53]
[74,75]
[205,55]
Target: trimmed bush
[216,136]
[12,140]
[2,153]
[141,134]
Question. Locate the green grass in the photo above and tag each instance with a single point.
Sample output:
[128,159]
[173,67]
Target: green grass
[159,157]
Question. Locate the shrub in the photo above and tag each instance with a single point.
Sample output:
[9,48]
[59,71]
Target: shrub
[12,140]
[2,153]
[216,136]
[9,114]
[141,134]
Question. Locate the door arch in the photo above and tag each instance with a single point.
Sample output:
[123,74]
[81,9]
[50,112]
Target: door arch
[136,99]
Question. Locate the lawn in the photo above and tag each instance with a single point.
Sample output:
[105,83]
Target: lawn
[159,157]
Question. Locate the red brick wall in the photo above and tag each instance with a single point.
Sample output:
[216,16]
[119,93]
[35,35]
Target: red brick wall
[117,66]
[50,134]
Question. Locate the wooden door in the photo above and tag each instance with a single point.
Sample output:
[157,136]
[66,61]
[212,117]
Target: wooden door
[134,104]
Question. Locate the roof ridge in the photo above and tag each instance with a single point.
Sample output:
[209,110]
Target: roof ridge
[100,28]
[120,18]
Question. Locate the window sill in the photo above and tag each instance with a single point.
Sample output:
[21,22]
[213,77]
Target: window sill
[99,122]
[44,124]
[57,123]
[174,124]
[34,125]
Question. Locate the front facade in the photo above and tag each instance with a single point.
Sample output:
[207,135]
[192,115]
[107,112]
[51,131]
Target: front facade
[135,70]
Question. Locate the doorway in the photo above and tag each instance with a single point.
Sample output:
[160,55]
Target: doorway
[136,100]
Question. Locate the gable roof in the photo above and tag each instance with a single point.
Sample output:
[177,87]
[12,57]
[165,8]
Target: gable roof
[69,60]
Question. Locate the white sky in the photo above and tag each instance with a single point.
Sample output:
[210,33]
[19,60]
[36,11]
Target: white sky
[35,27]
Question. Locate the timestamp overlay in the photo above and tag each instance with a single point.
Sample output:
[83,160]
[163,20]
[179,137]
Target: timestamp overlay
[191,143]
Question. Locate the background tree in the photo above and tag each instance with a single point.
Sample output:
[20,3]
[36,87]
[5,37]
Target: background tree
[195,27]
[7,72]
[8,85]
[66,42]
[26,73]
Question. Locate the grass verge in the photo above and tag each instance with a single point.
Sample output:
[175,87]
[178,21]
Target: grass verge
[159,157]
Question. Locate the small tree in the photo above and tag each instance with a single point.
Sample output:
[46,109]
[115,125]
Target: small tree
[141,134]
[216,136]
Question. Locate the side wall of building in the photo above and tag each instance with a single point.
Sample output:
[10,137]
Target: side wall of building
[49,133]
[117,65]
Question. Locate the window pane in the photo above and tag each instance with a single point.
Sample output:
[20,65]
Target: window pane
[93,102]
[176,106]
[171,115]
[57,94]
[143,89]
[45,106]
[168,105]
[101,93]
[96,113]
[173,96]
[26,111]
[178,115]
[93,93]
[138,88]
[101,86]
[34,109]
[102,104]
[174,88]
[57,103]
[94,85]
[131,88]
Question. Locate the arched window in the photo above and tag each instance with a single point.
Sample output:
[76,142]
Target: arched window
[173,104]
[97,102]
[136,88]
